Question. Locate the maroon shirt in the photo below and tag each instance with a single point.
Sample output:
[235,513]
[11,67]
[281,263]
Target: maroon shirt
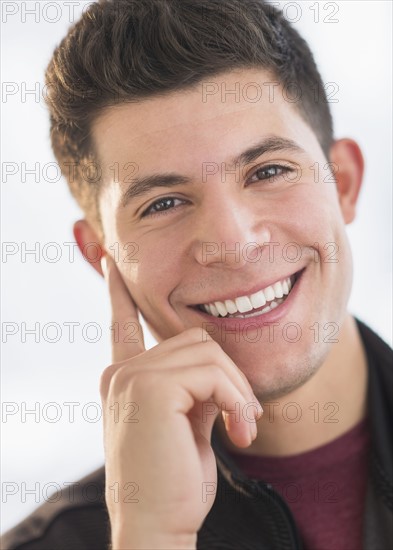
[325,488]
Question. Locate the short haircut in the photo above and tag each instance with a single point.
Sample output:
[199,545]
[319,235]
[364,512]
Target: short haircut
[129,50]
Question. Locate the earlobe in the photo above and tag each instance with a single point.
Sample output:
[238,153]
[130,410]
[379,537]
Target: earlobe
[89,244]
[348,165]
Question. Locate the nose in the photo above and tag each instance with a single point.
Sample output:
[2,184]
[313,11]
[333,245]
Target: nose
[227,232]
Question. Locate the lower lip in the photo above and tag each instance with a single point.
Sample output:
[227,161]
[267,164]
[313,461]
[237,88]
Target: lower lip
[276,314]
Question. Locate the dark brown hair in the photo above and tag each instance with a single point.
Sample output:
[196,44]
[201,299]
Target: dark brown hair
[128,50]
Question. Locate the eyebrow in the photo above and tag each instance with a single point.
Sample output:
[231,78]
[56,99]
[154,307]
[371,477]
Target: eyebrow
[143,185]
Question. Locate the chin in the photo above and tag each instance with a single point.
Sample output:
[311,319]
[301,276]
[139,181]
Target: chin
[284,369]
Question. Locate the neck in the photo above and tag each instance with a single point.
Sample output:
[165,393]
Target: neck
[330,403]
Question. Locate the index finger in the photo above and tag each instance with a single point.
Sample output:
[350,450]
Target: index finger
[127,333]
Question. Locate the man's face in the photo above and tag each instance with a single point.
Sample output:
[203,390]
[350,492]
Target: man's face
[277,211]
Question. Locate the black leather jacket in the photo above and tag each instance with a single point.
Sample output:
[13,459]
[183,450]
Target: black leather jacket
[247,514]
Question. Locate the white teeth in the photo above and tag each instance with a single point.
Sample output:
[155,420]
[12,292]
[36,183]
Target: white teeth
[258,299]
[270,306]
[231,306]
[264,310]
[278,290]
[269,293]
[275,294]
[243,304]
[222,310]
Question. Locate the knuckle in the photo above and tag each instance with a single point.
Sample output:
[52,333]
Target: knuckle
[110,377]
[105,379]
[198,334]
[205,335]
[144,383]
[215,371]
[213,348]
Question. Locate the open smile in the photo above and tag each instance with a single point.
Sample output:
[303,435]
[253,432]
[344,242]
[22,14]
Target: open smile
[251,305]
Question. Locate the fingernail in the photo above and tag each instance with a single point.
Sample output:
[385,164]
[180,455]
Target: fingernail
[104,266]
[225,417]
[253,430]
[259,409]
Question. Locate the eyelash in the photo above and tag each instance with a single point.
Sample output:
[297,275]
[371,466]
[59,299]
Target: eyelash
[285,170]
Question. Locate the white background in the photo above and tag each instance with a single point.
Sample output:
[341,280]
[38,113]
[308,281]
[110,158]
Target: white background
[354,52]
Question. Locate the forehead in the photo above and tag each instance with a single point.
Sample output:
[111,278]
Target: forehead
[213,121]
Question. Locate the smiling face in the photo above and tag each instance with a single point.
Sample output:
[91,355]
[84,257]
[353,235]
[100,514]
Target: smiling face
[247,200]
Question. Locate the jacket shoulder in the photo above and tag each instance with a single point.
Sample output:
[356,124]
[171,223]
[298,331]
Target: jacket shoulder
[380,407]
[76,518]
[379,355]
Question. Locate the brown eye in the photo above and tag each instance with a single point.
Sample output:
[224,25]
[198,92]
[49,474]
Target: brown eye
[161,206]
[270,172]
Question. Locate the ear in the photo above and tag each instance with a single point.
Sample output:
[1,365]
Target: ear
[349,167]
[89,244]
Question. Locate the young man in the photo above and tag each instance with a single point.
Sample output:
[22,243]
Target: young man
[198,140]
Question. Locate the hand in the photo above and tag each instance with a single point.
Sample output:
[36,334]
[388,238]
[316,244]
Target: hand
[163,456]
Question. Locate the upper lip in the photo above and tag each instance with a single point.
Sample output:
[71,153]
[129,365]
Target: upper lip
[233,294]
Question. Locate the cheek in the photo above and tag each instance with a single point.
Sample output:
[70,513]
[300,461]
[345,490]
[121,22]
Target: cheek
[318,219]
[150,270]
[151,281]
[313,211]
[313,219]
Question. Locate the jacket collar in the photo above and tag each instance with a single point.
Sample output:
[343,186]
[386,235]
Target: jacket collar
[380,409]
